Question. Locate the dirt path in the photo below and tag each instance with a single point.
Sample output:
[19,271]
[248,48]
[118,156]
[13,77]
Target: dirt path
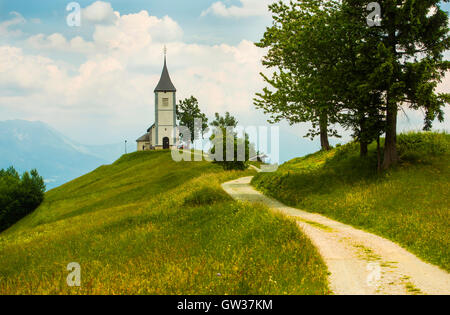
[359,262]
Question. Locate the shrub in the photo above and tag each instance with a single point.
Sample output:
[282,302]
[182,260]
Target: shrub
[419,146]
[19,195]
[205,196]
[222,139]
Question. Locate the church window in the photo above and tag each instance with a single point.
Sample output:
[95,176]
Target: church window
[165,101]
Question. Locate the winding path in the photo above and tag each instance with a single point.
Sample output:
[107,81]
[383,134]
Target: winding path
[358,262]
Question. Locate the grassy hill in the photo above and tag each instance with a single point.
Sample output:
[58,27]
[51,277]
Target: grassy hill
[148,225]
[408,204]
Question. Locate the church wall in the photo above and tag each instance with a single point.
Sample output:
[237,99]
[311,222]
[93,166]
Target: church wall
[143,146]
[166,113]
[165,118]
[153,136]
[169,96]
[165,132]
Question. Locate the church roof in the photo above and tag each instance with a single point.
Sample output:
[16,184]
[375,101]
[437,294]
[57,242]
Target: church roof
[165,84]
[145,137]
[150,128]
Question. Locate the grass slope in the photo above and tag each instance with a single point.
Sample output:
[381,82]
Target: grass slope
[408,204]
[148,225]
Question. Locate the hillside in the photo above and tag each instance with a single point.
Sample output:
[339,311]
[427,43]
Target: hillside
[148,225]
[408,204]
[27,145]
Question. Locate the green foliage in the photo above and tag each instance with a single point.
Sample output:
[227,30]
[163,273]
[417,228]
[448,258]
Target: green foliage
[226,139]
[301,87]
[224,121]
[408,204]
[230,142]
[19,195]
[187,112]
[331,67]
[415,147]
[149,225]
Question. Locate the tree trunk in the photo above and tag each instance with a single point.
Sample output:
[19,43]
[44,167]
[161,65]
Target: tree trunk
[390,144]
[363,148]
[324,132]
[378,155]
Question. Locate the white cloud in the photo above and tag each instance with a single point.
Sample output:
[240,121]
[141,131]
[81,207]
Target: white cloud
[130,32]
[113,86]
[57,42]
[246,9]
[109,94]
[135,31]
[5,30]
[99,12]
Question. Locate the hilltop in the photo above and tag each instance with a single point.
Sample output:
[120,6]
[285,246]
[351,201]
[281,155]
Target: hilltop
[148,225]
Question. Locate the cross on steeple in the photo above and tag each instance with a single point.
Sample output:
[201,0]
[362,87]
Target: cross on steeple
[165,51]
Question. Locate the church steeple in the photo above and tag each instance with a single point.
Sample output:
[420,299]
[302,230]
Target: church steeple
[165,84]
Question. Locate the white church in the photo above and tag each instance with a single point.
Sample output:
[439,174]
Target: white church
[163,133]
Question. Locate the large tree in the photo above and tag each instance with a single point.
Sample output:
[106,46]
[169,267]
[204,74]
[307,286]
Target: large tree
[332,66]
[412,38]
[360,100]
[301,87]
[188,111]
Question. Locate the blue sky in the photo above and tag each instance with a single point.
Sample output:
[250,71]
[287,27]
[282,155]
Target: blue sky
[95,83]
[199,29]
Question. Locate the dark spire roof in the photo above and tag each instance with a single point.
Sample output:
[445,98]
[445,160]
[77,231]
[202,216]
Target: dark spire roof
[165,84]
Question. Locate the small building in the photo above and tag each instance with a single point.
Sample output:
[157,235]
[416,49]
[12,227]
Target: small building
[163,134]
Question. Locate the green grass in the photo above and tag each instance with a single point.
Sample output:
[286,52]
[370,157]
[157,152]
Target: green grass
[148,225]
[408,204]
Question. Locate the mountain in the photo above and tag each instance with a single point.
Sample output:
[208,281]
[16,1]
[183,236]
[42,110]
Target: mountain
[27,145]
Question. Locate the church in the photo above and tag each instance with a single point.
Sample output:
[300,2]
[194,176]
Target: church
[163,133]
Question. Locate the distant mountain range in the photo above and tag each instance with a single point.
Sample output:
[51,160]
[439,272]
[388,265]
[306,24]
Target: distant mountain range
[27,145]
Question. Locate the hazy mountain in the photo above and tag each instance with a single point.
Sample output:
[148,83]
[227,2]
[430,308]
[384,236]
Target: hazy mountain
[27,145]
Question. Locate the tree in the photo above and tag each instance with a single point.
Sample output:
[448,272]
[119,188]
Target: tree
[224,121]
[19,195]
[332,67]
[302,85]
[411,41]
[225,142]
[360,100]
[187,112]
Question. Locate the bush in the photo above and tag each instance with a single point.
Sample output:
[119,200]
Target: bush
[19,195]
[414,147]
[222,139]
[206,196]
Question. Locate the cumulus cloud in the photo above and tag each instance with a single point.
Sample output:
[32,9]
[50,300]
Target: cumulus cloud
[135,31]
[246,9]
[99,12]
[130,32]
[57,42]
[112,84]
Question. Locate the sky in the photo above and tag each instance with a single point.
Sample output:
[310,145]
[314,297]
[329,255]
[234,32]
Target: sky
[94,83]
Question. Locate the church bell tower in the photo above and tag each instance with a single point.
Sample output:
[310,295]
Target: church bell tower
[165,111]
